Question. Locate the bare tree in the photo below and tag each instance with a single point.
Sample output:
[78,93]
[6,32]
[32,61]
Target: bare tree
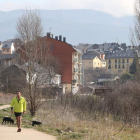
[135,32]
[135,37]
[36,59]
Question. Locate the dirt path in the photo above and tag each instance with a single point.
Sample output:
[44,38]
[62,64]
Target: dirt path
[4,106]
[10,133]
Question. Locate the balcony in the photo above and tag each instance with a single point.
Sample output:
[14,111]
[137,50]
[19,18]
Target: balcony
[75,70]
[75,60]
[73,82]
[80,70]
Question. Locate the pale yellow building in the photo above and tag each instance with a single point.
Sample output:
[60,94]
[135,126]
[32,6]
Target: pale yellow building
[120,61]
[92,61]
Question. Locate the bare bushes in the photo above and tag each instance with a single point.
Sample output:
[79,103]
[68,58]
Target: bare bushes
[55,115]
[85,107]
[80,117]
[123,104]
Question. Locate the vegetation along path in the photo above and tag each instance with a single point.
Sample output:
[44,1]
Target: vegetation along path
[9,133]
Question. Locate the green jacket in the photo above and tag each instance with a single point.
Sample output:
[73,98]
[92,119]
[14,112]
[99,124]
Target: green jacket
[18,106]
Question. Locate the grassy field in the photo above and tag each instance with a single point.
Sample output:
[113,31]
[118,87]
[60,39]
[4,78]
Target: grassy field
[73,128]
[70,124]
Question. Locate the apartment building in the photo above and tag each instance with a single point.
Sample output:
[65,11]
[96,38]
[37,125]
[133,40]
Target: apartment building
[71,62]
[120,61]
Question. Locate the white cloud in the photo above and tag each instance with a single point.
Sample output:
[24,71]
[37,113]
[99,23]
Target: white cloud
[114,7]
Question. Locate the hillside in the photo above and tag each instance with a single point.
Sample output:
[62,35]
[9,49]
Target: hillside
[79,26]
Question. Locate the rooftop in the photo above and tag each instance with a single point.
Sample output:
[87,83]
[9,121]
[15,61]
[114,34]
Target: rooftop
[88,57]
[7,56]
[122,54]
[7,44]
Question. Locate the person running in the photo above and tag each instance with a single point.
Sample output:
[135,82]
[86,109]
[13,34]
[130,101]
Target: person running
[19,105]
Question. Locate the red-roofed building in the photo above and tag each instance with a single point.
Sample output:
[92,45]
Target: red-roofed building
[71,62]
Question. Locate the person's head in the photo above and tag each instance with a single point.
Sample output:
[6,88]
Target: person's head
[18,94]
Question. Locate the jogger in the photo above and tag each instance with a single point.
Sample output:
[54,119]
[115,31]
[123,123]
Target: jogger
[19,105]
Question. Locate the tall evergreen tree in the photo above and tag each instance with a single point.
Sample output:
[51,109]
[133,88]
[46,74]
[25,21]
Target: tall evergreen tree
[133,67]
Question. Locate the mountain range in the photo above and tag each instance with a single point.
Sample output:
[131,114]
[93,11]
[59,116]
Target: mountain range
[78,26]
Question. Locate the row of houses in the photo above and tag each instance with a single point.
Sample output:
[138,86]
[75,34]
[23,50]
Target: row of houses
[115,58]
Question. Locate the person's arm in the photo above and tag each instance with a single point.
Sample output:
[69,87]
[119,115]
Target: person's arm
[24,107]
[12,104]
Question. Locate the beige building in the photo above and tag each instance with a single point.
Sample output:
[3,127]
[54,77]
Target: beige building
[119,62]
[7,47]
[92,61]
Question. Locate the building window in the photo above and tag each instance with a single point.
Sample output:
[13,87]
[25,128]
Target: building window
[123,61]
[7,50]
[119,66]
[4,50]
[123,67]
[119,61]
[98,63]
[115,60]
[109,67]
[89,63]
[115,66]
[109,61]
[127,60]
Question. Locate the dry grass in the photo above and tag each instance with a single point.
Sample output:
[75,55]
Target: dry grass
[74,125]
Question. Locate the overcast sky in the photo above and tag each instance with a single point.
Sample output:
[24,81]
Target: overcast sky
[114,7]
